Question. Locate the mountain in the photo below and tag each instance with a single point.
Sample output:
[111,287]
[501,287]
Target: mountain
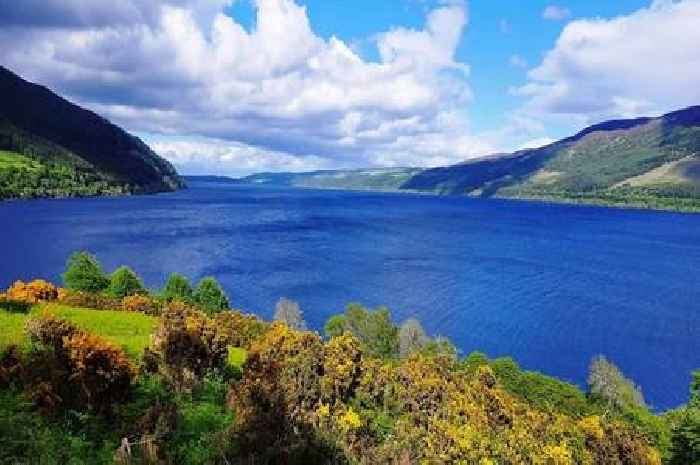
[643,162]
[379,179]
[51,147]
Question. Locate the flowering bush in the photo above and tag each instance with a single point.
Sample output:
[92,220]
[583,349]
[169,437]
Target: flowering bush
[33,292]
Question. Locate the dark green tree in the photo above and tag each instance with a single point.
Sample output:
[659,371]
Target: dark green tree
[84,273]
[210,296]
[177,288]
[125,282]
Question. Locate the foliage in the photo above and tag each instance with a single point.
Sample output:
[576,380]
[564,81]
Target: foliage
[236,329]
[187,346]
[289,312]
[539,390]
[210,296]
[124,282]
[686,437]
[177,288]
[373,328]
[100,370]
[607,382]
[412,337]
[84,273]
[27,437]
[32,293]
[140,303]
[75,369]
[93,300]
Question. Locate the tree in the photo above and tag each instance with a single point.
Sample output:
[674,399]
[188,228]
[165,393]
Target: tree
[607,382]
[289,312]
[84,273]
[210,296]
[412,337]
[373,328]
[124,282]
[177,288]
[695,390]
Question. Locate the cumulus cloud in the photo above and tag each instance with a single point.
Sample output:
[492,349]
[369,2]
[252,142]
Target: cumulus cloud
[556,13]
[182,68]
[626,66]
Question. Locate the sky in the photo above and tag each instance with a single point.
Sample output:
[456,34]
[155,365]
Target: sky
[233,87]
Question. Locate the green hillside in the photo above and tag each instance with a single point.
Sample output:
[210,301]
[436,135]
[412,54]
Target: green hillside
[50,147]
[645,162]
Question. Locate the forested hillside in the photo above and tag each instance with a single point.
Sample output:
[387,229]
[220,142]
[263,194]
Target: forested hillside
[50,147]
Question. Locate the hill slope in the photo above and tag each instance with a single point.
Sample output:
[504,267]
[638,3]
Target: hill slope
[646,162]
[51,147]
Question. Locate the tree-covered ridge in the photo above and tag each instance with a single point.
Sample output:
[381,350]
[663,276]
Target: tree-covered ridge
[217,386]
[74,151]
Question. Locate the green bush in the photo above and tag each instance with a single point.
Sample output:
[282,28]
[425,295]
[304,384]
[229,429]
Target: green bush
[373,328]
[177,288]
[84,273]
[210,296]
[124,282]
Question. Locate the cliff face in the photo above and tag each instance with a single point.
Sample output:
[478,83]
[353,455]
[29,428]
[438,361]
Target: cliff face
[43,126]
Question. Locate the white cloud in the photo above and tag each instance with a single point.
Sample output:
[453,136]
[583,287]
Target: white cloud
[536,143]
[627,66]
[182,68]
[556,13]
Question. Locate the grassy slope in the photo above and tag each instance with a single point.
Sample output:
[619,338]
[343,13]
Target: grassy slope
[132,331]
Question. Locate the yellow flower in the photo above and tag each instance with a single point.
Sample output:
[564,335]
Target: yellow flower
[350,420]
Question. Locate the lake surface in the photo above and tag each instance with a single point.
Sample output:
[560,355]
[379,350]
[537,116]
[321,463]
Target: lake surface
[551,285]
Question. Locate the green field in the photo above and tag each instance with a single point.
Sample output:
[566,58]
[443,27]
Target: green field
[132,331]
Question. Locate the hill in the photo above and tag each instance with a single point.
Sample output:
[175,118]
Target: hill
[643,162]
[646,161]
[363,179]
[50,147]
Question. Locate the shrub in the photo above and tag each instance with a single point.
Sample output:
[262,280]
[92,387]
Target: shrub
[101,371]
[289,312]
[73,368]
[210,296]
[412,337]
[32,293]
[187,346]
[124,282]
[373,328]
[96,301]
[141,304]
[177,288]
[237,329]
[50,331]
[607,383]
[84,273]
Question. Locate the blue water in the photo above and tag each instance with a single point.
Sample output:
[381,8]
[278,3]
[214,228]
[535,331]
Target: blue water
[551,285]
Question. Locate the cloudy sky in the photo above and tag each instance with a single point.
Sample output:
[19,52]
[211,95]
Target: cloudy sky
[239,86]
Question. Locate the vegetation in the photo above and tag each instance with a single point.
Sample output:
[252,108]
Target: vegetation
[50,154]
[84,273]
[288,312]
[210,296]
[124,283]
[183,384]
[641,163]
[177,288]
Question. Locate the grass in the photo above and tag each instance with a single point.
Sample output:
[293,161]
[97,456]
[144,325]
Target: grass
[132,331]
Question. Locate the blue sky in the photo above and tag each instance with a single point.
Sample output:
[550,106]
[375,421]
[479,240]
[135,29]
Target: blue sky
[239,86]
